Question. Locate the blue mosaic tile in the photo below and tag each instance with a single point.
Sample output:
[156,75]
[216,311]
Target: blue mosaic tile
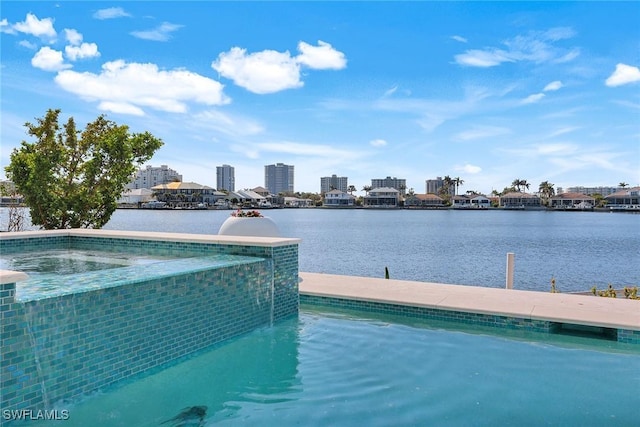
[96,328]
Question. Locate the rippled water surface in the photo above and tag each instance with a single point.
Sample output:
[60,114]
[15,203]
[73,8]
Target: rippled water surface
[329,369]
[579,249]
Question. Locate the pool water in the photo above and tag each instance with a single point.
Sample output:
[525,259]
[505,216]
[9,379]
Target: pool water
[326,368]
[68,261]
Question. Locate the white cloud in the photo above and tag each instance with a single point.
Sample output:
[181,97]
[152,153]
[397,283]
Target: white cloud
[262,72]
[49,60]
[483,58]
[481,132]
[537,47]
[76,49]
[532,99]
[127,87]
[624,74]
[160,34]
[28,44]
[121,108]
[41,28]
[111,13]
[378,143]
[320,57]
[555,85]
[5,27]
[563,131]
[224,123]
[566,149]
[85,50]
[300,149]
[459,39]
[390,92]
[469,169]
[270,71]
[73,37]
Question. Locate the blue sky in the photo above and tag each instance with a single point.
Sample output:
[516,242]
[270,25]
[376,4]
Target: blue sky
[488,92]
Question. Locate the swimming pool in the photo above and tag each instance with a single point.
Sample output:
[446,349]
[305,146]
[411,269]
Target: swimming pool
[353,368]
[150,299]
[57,262]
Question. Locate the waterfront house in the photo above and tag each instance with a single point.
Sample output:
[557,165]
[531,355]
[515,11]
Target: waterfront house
[479,201]
[296,202]
[461,202]
[186,194]
[519,200]
[625,199]
[423,201]
[337,198]
[135,197]
[250,198]
[577,201]
[383,197]
[261,191]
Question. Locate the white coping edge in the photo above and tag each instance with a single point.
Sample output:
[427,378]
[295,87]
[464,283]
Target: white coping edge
[9,276]
[156,236]
[555,307]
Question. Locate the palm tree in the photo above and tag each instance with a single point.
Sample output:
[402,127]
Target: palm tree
[457,182]
[366,189]
[517,184]
[445,190]
[448,184]
[623,185]
[351,189]
[546,190]
[520,184]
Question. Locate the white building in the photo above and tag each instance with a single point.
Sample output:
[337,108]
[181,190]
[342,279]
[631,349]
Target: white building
[135,197]
[337,198]
[433,186]
[278,178]
[399,184]
[603,191]
[151,176]
[225,178]
[333,182]
[384,197]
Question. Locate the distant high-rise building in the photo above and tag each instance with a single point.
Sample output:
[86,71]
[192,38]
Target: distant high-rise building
[603,191]
[152,176]
[278,178]
[434,185]
[397,183]
[333,182]
[225,178]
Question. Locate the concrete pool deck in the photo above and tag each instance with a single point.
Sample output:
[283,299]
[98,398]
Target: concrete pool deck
[554,307]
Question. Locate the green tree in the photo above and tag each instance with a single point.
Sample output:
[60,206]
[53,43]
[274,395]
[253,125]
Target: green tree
[457,182]
[71,178]
[623,185]
[366,189]
[446,191]
[351,189]
[547,191]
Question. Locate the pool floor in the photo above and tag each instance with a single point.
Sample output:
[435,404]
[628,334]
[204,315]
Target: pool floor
[327,368]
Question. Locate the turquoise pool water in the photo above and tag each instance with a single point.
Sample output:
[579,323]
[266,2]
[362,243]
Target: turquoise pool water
[325,368]
[56,272]
[70,261]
